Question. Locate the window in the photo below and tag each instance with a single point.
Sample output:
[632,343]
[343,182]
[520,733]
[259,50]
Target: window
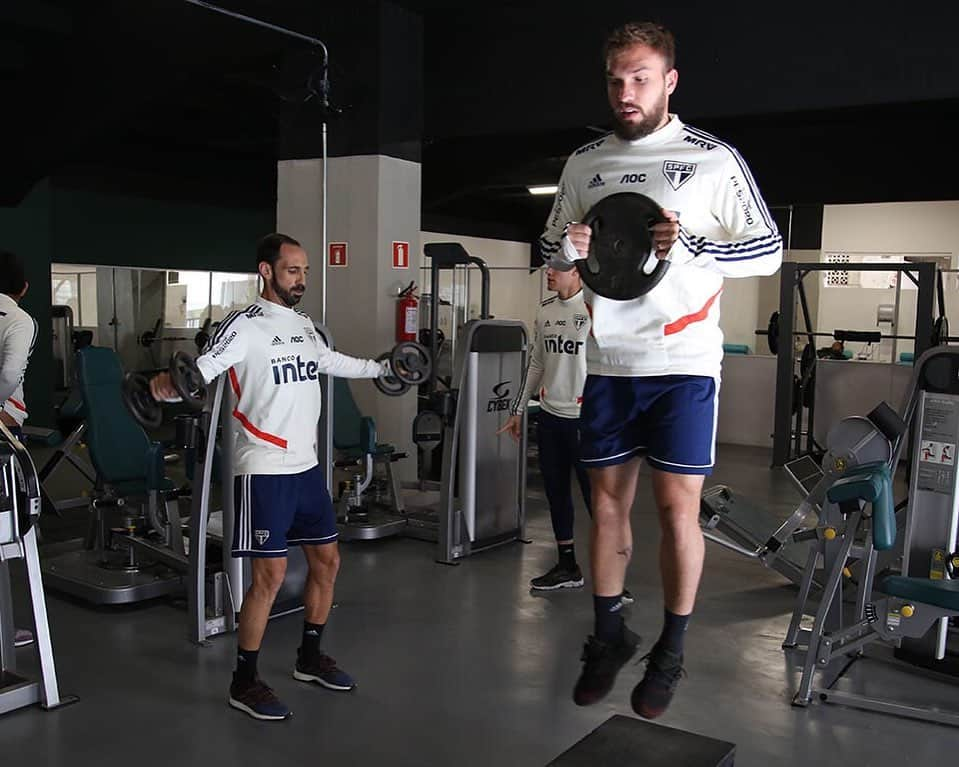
[76,286]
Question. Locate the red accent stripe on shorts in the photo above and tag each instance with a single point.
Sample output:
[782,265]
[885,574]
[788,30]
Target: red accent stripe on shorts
[17,405]
[683,322]
[278,441]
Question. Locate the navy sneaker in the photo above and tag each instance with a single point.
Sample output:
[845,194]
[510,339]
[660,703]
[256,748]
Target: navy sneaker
[652,696]
[558,578]
[601,663]
[258,700]
[322,670]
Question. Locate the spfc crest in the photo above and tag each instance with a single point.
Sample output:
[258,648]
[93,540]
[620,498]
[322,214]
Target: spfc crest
[678,173]
[579,320]
[261,536]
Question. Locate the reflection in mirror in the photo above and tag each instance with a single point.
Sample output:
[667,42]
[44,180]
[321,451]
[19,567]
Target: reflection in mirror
[143,314]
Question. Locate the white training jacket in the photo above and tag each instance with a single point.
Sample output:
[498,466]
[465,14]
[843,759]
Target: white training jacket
[557,358]
[274,359]
[726,230]
[18,335]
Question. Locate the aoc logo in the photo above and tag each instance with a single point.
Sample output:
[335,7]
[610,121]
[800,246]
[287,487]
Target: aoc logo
[633,178]
[678,173]
[292,369]
[500,401]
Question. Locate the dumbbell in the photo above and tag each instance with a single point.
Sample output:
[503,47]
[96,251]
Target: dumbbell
[410,365]
[186,378]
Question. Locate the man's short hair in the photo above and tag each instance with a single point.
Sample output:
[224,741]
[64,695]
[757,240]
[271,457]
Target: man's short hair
[13,276]
[648,33]
[268,248]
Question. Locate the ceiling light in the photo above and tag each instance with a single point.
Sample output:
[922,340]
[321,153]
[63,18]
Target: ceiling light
[542,189]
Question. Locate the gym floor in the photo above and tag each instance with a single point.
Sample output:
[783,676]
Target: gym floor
[462,665]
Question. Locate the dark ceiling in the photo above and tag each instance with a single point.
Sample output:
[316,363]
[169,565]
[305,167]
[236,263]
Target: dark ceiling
[835,103]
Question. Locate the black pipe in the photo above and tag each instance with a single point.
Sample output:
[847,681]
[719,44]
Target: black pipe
[484,286]
[434,319]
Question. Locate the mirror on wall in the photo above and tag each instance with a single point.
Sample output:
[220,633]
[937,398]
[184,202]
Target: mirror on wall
[143,314]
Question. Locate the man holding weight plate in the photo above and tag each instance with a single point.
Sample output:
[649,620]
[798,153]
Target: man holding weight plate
[653,362]
[274,358]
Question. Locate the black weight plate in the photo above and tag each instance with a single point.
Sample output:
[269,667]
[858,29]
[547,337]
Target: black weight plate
[620,246]
[772,333]
[390,385]
[135,392]
[428,429]
[411,363]
[188,380]
[940,332]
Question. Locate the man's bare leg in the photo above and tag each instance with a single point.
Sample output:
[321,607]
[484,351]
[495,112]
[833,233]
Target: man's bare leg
[681,554]
[611,545]
[681,548]
[313,665]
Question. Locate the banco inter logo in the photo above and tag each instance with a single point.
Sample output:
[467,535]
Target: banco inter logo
[292,369]
[560,345]
[500,400]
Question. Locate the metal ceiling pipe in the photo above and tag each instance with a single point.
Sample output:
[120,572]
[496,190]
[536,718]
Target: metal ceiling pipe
[324,94]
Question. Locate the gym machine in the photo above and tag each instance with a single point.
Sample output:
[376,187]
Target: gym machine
[191,555]
[479,501]
[19,511]
[483,477]
[795,390]
[916,611]
[794,546]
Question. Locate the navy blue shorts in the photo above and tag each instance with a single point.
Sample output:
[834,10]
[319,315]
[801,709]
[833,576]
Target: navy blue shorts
[671,420]
[275,511]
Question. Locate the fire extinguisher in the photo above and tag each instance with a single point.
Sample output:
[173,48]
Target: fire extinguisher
[407,315]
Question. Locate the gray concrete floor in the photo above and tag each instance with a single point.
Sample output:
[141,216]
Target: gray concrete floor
[461,666]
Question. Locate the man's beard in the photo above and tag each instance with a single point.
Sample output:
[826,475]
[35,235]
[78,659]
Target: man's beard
[289,297]
[649,123]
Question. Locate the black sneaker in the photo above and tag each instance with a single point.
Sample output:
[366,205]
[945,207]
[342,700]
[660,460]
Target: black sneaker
[601,663]
[558,578]
[652,696]
[323,671]
[258,700]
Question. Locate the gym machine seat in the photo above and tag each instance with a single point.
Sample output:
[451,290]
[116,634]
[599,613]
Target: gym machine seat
[130,474]
[938,593]
[348,425]
[354,437]
[124,456]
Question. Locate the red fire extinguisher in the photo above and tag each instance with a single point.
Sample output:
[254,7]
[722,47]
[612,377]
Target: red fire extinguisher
[407,315]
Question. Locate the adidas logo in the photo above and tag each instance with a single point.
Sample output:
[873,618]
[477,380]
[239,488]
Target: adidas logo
[277,341]
[595,181]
